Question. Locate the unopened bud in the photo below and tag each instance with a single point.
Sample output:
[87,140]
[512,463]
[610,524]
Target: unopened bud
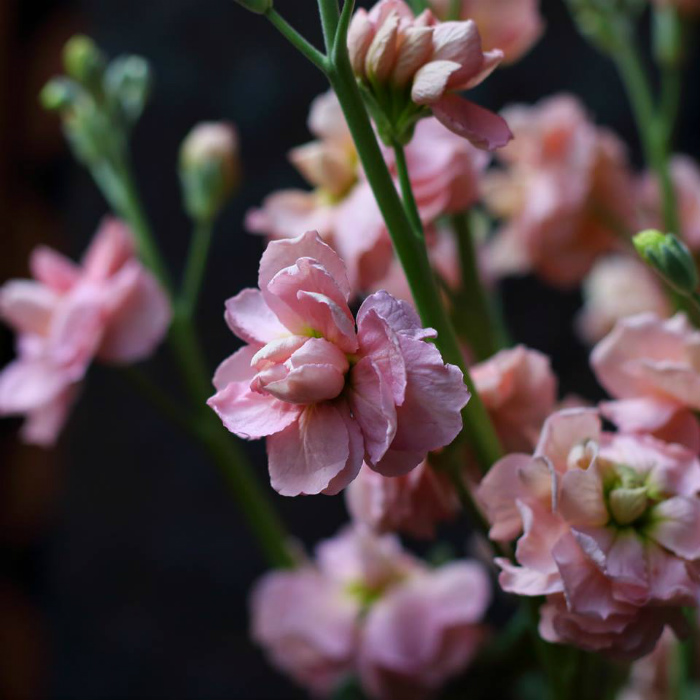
[58,94]
[128,81]
[627,505]
[669,258]
[258,6]
[83,61]
[209,168]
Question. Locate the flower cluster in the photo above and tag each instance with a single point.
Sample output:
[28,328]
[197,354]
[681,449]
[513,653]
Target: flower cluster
[367,607]
[109,308]
[327,390]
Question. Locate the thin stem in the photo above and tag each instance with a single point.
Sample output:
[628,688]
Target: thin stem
[196,266]
[412,253]
[455,10]
[476,310]
[118,187]
[297,40]
[330,15]
[654,132]
[409,201]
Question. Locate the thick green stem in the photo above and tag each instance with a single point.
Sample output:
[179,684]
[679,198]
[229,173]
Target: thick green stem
[654,129]
[412,254]
[196,266]
[118,188]
[473,306]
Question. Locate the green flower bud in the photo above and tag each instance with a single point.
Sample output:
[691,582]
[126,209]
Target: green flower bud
[628,504]
[258,6]
[58,94]
[84,61]
[670,258]
[128,82]
[209,168]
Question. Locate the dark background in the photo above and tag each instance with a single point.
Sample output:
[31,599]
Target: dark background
[124,567]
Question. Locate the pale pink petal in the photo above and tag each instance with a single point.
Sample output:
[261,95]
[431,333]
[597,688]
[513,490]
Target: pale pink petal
[53,269]
[398,314]
[356,446]
[26,385]
[27,305]
[236,368]
[414,51]
[430,82]
[381,54]
[459,42]
[310,453]
[563,431]
[676,526]
[581,501]
[251,319]
[44,424]
[111,247]
[360,35]
[482,128]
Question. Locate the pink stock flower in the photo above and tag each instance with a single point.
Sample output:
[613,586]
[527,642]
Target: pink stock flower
[328,391]
[444,172]
[652,368]
[611,532]
[617,287]
[308,620]
[651,677]
[424,63]
[110,308]
[513,26]
[367,606]
[424,632]
[564,195]
[685,176]
[519,391]
[413,504]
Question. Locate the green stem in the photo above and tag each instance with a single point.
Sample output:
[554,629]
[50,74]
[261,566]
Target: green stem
[330,15]
[297,40]
[654,131]
[409,201]
[455,11]
[411,252]
[196,266]
[474,307]
[118,188]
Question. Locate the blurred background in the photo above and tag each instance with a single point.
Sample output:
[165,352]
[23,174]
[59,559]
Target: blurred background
[124,567]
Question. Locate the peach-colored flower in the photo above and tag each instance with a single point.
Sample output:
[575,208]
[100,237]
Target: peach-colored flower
[652,368]
[109,308]
[328,390]
[513,26]
[424,63]
[519,391]
[425,632]
[611,532]
[685,176]
[413,504]
[618,286]
[564,195]
[444,172]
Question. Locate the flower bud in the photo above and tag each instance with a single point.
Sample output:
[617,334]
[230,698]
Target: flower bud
[83,61]
[58,94]
[669,258]
[209,168]
[258,6]
[128,81]
[628,504]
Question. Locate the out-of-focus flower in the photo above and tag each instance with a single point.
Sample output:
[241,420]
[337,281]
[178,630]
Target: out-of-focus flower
[424,632]
[618,286]
[651,367]
[413,504]
[209,168]
[686,7]
[611,533]
[513,26]
[110,308]
[413,65]
[651,677]
[685,176]
[309,620]
[565,193]
[328,393]
[519,391]
[351,610]
[444,172]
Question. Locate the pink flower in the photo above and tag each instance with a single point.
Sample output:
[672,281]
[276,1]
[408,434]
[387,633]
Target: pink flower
[651,367]
[325,391]
[513,26]
[413,504]
[109,308]
[425,62]
[618,287]
[424,632]
[611,532]
[685,175]
[564,196]
[444,171]
[519,391]
[651,677]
